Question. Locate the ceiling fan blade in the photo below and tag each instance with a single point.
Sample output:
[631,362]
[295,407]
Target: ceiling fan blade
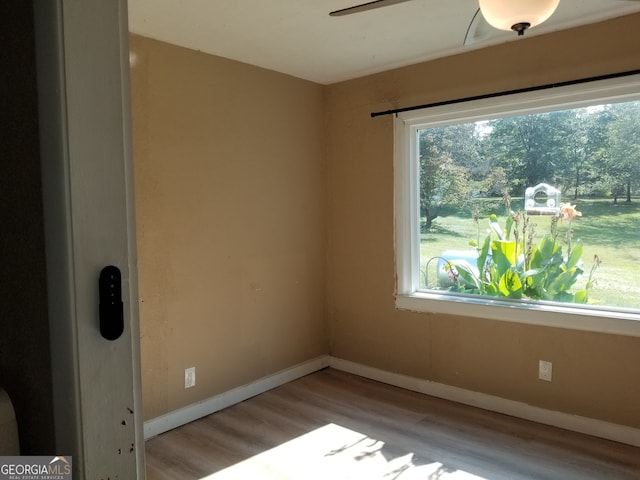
[478,30]
[365,6]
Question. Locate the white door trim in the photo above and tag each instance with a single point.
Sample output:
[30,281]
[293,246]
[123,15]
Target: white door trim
[85,142]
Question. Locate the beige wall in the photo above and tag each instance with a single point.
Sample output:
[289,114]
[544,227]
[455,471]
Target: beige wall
[595,375]
[245,196]
[231,222]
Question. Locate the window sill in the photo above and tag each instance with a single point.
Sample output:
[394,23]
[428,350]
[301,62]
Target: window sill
[591,320]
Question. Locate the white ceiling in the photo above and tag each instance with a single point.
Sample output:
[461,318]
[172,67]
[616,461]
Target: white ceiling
[299,38]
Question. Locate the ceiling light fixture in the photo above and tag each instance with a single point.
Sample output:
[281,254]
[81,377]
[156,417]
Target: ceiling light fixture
[517,15]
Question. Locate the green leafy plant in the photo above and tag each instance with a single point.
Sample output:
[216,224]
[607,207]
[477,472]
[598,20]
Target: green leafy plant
[512,264]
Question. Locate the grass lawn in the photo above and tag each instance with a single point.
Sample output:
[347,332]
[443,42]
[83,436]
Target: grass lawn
[610,231]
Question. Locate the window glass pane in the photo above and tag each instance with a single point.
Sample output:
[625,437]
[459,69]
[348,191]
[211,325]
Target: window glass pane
[543,206]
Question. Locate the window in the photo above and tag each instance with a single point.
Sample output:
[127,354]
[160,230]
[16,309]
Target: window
[523,207]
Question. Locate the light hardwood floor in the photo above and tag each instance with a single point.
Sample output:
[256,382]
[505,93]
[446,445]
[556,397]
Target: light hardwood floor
[336,425]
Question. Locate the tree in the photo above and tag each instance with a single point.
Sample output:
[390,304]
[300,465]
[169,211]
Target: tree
[444,178]
[585,142]
[442,183]
[592,150]
[496,182]
[529,147]
[621,165]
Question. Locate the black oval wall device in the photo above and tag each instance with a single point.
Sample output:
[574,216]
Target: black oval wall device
[111,308]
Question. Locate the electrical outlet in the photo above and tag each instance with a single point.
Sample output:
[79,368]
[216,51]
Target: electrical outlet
[545,370]
[189,377]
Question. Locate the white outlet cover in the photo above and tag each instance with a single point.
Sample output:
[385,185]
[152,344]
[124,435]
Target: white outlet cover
[189,377]
[545,370]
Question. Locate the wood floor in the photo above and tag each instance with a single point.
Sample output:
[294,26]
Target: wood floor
[335,425]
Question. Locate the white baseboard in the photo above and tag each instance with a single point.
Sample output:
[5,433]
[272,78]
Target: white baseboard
[187,414]
[588,426]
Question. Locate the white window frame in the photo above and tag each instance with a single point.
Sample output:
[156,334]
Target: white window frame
[407,213]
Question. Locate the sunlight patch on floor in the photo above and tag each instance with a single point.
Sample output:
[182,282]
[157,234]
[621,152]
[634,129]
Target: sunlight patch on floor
[337,453]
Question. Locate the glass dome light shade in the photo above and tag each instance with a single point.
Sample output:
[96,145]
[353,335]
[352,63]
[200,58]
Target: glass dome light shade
[504,14]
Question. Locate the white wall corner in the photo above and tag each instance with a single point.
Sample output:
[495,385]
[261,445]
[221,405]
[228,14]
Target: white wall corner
[585,425]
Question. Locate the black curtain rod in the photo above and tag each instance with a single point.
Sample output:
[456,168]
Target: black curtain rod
[508,92]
